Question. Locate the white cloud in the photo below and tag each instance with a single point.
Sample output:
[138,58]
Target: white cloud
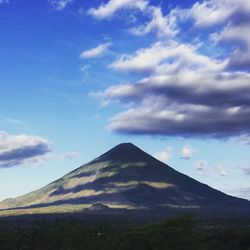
[27,150]
[142,60]
[156,115]
[164,26]
[237,35]
[212,12]
[60,4]
[95,52]
[22,149]
[221,170]
[190,87]
[164,155]
[187,152]
[185,91]
[112,6]
[182,84]
[167,58]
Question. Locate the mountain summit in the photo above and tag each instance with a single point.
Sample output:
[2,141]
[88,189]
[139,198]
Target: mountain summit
[124,177]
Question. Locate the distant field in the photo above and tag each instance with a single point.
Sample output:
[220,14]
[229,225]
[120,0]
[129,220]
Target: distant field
[44,210]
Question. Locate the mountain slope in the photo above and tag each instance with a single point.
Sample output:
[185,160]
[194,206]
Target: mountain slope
[125,177]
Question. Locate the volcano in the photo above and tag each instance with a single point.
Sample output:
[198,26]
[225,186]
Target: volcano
[125,177]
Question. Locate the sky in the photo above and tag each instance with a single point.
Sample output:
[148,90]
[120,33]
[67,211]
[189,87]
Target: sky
[79,77]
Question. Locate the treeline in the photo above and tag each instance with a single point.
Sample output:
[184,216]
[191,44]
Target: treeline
[179,233]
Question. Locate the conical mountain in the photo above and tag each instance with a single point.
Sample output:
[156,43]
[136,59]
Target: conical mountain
[125,177]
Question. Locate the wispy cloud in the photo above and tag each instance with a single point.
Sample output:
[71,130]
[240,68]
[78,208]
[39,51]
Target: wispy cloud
[221,170]
[163,26]
[85,68]
[13,121]
[4,1]
[95,52]
[216,170]
[242,139]
[112,6]
[187,152]
[21,149]
[164,155]
[201,165]
[60,4]
[66,156]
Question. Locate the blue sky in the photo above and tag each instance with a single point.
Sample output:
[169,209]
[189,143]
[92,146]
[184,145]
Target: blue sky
[78,77]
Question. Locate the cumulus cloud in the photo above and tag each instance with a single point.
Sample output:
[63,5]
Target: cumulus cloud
[187,152]
[167,58]
[212,12]
[95,52]
[164,155]
[238,37]
[185,90]
[157,117]
[186,104]
[235,14]
[112,6]
[60,4]
[22,149]
[143,60]
[228,90]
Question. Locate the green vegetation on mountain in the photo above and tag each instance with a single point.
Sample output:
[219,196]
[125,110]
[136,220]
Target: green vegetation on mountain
[123,178]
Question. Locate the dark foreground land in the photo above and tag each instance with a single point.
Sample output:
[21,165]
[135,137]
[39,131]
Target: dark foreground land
[183,232]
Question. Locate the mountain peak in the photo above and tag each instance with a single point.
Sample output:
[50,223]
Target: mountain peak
[125,146]
[123,151]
